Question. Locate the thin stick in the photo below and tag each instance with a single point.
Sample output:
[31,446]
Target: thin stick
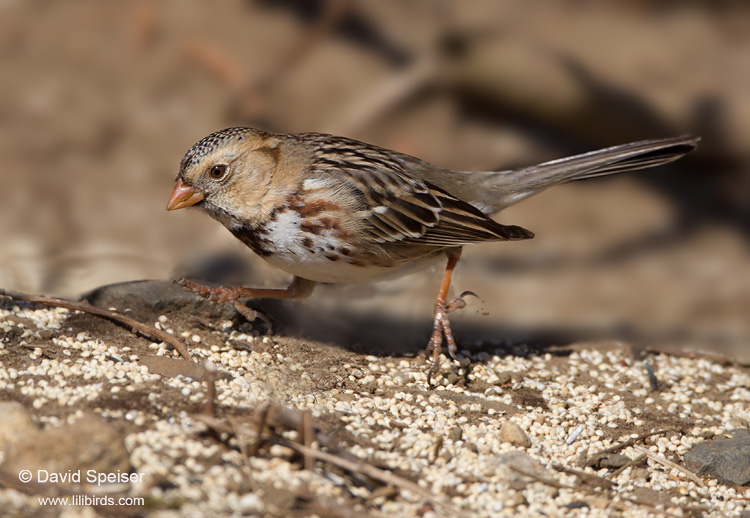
[623,445]
[622,468]
[243,445]
[306,436]
[261,417]
[378,474]
[135,326]
[544,480]
[587,478]
[591,491]
[668,463]
[210,407]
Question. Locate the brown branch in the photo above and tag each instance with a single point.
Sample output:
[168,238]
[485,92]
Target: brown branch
[606,494]
[270,417]
[135,326]
[586,478]
[306,436]
[638,460]
[334,12]
[668,464]
[210,407]
[386,477]
[623,445]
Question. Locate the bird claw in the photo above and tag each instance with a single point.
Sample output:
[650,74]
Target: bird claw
[224,295]
[251,315]
[460,303]
[442,329]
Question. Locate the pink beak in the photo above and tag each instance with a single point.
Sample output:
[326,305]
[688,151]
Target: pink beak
[183,196]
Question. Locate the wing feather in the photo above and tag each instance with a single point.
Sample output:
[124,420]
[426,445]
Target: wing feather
[398,207]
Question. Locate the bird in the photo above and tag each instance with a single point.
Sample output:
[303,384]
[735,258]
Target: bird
[330,209]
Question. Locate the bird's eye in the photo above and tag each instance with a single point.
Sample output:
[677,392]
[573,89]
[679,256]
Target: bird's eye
[217,171]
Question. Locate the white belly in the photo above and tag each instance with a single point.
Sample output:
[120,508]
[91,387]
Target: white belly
[327,256]
[317,267]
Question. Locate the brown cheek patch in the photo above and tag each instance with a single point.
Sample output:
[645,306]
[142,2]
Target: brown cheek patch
[272,151]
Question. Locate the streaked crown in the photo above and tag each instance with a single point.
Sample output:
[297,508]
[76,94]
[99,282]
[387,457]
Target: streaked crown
[214,141]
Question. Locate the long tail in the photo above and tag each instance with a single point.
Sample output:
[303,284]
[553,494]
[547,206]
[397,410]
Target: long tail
[504,188]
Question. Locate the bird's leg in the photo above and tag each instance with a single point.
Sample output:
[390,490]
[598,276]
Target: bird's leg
[441,326]
[299,289]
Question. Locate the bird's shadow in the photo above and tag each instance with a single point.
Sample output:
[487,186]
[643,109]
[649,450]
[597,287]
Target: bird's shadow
[387,335]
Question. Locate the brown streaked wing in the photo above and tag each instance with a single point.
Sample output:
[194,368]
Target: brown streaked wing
[462,223]
[400,208]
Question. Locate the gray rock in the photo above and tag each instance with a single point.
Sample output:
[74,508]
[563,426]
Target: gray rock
[455,434]
[523,467]
[511,433]
[725,457]
[149,297]
[14,424]
[88,444]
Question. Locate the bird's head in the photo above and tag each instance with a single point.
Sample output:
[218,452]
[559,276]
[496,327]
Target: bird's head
[230,175]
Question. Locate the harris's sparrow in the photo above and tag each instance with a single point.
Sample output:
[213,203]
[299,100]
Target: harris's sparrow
[335,210]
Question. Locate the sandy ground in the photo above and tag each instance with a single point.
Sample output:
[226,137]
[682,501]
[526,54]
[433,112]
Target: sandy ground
[515,433]
[626,274]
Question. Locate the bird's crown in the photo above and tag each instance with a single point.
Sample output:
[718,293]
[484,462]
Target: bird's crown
[214,141]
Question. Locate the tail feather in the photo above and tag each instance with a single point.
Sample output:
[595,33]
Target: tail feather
[504,188]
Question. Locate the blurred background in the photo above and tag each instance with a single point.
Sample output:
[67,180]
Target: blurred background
[100,100]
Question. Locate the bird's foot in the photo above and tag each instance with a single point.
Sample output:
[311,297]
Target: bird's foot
[219,295]
[223,294]
[441,328]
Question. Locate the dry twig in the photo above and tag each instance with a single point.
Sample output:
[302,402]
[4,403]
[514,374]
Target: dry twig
[592,491]
[210,407]
[135,326]
[271,418]
[386,477]
[623,445]
[633,462]
[668,463]
[306,436]
[587,478]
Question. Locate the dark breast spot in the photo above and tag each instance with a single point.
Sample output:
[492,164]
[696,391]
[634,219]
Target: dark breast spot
[331,223]
[312,227]
[255,239]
